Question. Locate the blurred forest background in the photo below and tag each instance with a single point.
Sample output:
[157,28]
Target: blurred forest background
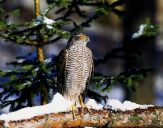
[109,32]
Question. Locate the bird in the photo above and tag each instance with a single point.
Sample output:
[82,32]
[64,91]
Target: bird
[75,68]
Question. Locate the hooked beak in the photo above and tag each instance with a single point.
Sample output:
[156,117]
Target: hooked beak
[88,39]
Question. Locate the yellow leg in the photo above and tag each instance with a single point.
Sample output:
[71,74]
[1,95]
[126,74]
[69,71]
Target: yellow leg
[81,101]
[74,107]
[73,111]
[82,104]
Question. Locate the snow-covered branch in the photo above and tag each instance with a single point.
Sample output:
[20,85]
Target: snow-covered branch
[58,114]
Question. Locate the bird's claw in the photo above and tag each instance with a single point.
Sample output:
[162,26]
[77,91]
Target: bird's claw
[73,111]
[83,106]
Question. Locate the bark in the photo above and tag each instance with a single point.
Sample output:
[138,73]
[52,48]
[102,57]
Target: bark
[150,117]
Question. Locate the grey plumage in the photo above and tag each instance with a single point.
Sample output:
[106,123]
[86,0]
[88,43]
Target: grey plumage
[75,67]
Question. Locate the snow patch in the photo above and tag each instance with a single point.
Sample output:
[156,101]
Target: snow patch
[126,105]
[48,22]
[36,69]
[91,103]
[58,104]
[48,60]
[20,60]
[37,21]
[44,20]
[140,31]
[26,83]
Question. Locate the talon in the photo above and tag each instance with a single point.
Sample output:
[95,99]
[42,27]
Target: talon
[82,104]
[73,111]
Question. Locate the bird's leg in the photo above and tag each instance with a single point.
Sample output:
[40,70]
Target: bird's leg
[82,104]
[73,110]
[81,101]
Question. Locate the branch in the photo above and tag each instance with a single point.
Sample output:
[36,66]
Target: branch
[150,117]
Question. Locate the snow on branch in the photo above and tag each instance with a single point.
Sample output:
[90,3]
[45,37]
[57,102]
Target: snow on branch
[145,30]
[58,114]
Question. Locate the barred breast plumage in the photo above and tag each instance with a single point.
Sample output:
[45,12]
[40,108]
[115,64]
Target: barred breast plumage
[78,66]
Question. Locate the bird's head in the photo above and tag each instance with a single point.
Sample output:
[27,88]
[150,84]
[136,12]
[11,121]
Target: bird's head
[79,38]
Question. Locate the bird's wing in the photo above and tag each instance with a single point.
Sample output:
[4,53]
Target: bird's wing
[62,62]
[91,70]
[91,64]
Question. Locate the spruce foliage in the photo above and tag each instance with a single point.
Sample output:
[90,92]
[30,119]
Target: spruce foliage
[31,78]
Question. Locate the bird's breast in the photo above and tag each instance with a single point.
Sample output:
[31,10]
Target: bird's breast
[78,66]
[77,56]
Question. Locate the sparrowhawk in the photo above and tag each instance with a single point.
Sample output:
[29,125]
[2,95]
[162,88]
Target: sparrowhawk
[75,67]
